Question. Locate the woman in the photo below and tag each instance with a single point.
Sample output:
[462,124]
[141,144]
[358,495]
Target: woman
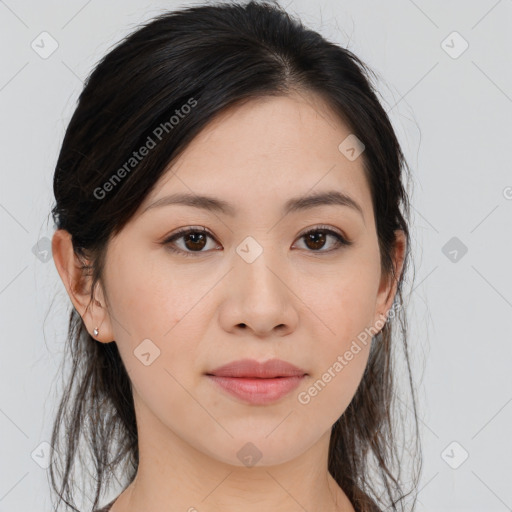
[232,234]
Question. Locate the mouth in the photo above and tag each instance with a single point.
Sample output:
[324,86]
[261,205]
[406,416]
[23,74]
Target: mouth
[258,383]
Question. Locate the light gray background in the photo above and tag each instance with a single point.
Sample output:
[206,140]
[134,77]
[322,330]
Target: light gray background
[453,118]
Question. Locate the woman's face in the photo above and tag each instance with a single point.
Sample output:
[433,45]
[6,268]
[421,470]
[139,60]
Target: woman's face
[251,287]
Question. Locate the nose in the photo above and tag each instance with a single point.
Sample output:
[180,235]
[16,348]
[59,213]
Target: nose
[259,299]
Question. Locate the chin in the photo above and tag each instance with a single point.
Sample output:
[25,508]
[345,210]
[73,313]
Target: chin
[260,449]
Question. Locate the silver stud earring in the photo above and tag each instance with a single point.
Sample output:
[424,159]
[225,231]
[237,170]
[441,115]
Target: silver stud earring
[96,331]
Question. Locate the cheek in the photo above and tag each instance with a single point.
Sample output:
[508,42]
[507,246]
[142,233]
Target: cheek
[345,304]
[155,321]
[151,300]
[340,361]
[330,392]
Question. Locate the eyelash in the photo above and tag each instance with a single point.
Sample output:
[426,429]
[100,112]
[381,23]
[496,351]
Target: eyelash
[342,241]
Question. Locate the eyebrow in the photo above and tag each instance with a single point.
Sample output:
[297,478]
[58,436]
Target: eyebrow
[301,203]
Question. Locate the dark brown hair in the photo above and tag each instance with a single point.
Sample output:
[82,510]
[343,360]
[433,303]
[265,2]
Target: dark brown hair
[209,58]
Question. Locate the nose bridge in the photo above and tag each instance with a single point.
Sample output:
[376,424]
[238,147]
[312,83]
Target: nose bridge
[257,264]
[260,292]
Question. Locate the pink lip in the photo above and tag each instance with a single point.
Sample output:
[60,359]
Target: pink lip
[258,383]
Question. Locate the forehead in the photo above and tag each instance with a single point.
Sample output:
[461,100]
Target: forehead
[268,149]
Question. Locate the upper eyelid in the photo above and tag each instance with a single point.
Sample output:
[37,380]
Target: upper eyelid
[203,229]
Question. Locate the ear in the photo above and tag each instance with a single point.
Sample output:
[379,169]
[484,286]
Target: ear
[388,285]
[78,285]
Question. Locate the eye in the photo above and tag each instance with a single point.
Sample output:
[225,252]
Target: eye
[195,239]
[316,239]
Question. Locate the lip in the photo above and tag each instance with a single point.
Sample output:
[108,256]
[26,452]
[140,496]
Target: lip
[250,368]
[258,383]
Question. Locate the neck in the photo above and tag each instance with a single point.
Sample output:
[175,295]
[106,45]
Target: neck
[172,475]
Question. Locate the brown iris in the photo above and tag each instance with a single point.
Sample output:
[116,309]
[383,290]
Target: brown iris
[317,238]
[198,241]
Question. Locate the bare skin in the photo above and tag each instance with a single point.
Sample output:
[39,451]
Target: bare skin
[300,302]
